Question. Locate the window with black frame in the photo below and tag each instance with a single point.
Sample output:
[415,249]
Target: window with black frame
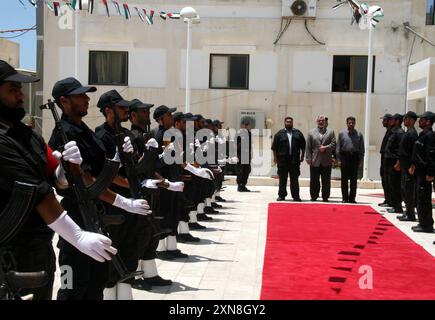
[108,68]
[350,74]
[229,71]
[430,12]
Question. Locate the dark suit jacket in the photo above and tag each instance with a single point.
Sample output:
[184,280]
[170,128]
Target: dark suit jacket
[281,146]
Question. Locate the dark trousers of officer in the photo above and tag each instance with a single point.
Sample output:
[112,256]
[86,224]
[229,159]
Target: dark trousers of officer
[408,185]
[393,183]
[126,239]
[34,253]
[384,180]
[424,203]
[286,169]
[315,174]
[349,173]
[243,171]
[88,276]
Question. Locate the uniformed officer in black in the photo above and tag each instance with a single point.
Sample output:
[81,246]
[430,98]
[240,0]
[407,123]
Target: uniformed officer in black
[288,148]
[391,156]
[244,154]
[383,172]
[423,157]
[405,160]
[90,277]
[139,115]
[25,158]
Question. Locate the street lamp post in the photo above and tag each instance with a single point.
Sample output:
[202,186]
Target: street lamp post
[368,103]
[190,16]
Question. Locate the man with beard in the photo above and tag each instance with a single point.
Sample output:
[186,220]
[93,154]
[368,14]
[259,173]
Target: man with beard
[89,277]
[139,114]
[25,158]
[407,182]
[288,152]
[423,157]
[384,176]
[391,156]
[319,148]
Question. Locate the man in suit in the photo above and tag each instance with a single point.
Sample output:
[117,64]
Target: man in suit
[288,152]
[319,148]
[350,156]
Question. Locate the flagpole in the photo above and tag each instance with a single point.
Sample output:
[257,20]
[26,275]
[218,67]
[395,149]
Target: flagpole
[76,43]
[368,103]
[189,49]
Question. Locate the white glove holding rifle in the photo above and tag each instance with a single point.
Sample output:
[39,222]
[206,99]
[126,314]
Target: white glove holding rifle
[200,172]
[71,153]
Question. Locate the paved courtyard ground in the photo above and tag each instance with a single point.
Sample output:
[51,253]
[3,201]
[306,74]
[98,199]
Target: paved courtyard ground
[228,262]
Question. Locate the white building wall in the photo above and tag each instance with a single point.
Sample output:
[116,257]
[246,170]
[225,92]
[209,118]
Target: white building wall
[293,77]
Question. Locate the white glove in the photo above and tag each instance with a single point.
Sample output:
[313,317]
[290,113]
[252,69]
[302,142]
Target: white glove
[116,157]
[127,147]
[150,183]
[200,172]
[233,160]
[138,206]
[197,143]
[222,161]
[212,140]
[71,153]
[175,186]
[92,244]
[205,147]
[218,169]
[152,143]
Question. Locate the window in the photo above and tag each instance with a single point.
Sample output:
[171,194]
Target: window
[430,9]
[229,71]
[108,68]
[350,74]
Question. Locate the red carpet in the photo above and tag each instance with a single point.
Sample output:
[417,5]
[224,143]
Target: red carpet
[316,252]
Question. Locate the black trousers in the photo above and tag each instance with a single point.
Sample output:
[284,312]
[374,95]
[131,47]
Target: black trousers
[408,185]
[393,183]
[384,180]
[35,253]
[349,175]
[424,202]
[317,173]
[89,276]
[286,169]
[243,171]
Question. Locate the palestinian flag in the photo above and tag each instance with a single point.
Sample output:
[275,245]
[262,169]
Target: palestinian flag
[163,15]
[107,7]
[116,6]
[140,15]
[174,15]
[126,11]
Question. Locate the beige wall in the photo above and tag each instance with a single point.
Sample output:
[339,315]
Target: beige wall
[291,78]
[10,52]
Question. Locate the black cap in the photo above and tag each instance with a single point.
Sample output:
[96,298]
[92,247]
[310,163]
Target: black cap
[208,121]
[178,116]
[190,117]
[8,73]
[199,116]
[217,122]
[112,98]
[387,116]
[161,111]
[69,87]
[427,115]
[410,114]
[397,116]
[137,104]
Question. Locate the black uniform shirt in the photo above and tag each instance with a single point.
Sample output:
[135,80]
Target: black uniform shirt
[423,154]
[244,145]
[23,159]
[138,138]
[385,140]
[393,143]
[107,135]
[93,154]
[406,146]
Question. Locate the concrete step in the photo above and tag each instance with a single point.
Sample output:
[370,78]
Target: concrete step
[303,182]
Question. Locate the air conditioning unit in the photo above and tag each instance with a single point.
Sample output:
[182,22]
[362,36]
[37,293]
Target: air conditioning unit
[256,118]
[302,9]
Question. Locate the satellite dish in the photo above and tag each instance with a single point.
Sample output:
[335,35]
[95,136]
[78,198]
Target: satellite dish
[299,8]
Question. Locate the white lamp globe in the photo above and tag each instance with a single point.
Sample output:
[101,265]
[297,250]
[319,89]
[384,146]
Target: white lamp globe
[188,12]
